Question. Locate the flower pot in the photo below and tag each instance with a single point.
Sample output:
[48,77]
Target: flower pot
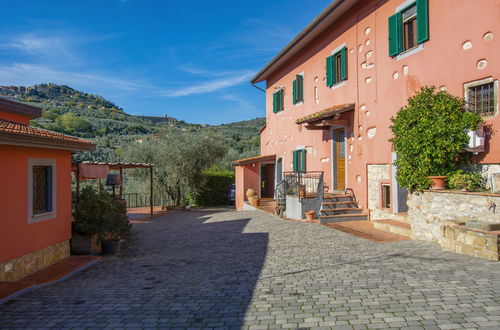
[254,201]
[302,192]
[310,215]
[110,247]
[85,244]
[437,182]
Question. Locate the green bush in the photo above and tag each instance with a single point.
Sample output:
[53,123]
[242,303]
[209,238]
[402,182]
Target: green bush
[429,135]
[468,181]
[99,213]
[216,188]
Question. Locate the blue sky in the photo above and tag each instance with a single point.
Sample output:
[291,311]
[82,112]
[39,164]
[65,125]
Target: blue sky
[188,59]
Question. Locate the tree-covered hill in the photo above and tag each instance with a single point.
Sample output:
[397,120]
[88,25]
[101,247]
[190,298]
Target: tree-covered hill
[91,116]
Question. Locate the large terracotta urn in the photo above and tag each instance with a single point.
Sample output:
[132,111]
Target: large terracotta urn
[437,182]
[251,193]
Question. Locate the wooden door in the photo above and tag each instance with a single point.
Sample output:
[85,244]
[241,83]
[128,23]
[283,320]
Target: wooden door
[339,162]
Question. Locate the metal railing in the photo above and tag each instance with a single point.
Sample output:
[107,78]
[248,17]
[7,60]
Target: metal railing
[142,200]
[303,184]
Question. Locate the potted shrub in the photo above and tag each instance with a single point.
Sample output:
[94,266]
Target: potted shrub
[88,217]
[115,225]
[429,136]
[466,181]
[437,182]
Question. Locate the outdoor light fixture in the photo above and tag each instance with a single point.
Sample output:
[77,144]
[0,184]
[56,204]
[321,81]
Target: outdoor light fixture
[113,180]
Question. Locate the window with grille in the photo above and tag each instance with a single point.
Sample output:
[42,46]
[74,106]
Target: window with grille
[386,196]
[481,98]
[42,189]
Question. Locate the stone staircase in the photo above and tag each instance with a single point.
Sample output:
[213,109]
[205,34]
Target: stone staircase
[340,207]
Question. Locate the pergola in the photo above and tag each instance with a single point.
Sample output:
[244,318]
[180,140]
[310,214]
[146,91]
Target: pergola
[76,168]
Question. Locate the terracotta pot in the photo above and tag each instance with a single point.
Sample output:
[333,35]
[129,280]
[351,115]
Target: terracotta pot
[302,192]
[251,193]
[255,201]
[437,182]
[310,215]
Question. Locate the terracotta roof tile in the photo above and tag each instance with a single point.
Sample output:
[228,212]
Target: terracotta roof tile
[325,113]
[11,131]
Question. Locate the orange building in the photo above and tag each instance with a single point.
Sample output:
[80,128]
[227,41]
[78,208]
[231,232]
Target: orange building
[330,93]
[35,192]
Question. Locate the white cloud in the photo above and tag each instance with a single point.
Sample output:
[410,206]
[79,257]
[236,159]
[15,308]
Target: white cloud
[209,86]
[29,74]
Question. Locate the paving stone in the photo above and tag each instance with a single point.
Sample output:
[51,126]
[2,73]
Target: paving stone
[249,270]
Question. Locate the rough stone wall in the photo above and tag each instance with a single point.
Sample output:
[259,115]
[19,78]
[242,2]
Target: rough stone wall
[484,245]
[375,174]
[427,211]
[18,268]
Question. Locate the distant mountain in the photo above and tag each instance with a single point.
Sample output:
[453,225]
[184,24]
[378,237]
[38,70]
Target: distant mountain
[93,117]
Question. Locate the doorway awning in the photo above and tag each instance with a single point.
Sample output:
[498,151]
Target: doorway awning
[328,117]
[256,159]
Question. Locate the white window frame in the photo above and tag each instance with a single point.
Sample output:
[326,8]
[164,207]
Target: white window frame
[33,218]
[483,82]
[404,54]
[342,82]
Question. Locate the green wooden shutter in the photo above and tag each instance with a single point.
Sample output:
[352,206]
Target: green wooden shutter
[422,20]
[300,88]
[329,71]
[295,161]
[275,102]
[281,100]
[395,34]
[295,96]
[343,64]
[302,160]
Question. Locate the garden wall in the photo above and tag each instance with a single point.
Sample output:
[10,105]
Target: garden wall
[428,210]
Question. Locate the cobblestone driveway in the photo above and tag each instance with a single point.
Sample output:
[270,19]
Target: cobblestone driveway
[240,269]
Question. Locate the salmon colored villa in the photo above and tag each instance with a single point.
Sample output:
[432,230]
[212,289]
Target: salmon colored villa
[330,93]
[35,192]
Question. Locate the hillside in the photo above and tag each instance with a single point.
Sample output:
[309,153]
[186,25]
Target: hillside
[91,116]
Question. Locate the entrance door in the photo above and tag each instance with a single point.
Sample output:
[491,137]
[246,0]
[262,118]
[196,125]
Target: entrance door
[339,158]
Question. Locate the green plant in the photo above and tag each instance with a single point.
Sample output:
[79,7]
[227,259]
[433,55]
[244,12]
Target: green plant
[115,224]
[429,135]
[216,185]
[99,213]
[468,181]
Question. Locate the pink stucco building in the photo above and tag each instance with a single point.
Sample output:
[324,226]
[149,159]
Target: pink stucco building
[330,93]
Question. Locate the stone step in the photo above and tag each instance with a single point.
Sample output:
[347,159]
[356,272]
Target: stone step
[341,210]
[393,226]
[338,198]
[343,217]
[345,204]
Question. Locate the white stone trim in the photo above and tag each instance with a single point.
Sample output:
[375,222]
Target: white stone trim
[336,50]
[404,5]
[410,52]
[339,84]
[53,213]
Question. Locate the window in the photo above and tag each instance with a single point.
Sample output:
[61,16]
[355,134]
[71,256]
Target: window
[298,89]
[336,67]
[278,101]
[481,97]
[386,196]
[409,27]
[41,189]
[299,160]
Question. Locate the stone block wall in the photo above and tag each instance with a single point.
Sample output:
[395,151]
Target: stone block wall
[428,210]
[474,243]
[18,268]
[377,173]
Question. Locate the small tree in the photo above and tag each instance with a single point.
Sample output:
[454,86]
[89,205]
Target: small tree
[429,136]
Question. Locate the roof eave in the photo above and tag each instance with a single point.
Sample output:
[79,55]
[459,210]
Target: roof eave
[20,108]
[317,26]
[41,142]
